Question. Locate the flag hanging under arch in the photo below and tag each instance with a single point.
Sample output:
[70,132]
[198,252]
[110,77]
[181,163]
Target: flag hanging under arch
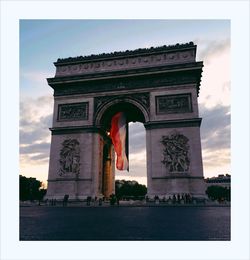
[119,138]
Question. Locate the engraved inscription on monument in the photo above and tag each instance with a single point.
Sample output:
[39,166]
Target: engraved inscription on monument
[70,157]
[74,111]
[173,104]
[142,98]
[176,152]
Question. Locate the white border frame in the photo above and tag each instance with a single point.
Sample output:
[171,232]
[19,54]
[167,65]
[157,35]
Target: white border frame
[11,12]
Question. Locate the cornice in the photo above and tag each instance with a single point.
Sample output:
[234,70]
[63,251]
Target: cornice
[178,176]
[119,54]
[74,130]
[193,122]
[163,66]
[135,72]
[141,58]
[73,86]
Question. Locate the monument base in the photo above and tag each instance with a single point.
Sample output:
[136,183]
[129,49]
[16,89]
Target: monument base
[167,187]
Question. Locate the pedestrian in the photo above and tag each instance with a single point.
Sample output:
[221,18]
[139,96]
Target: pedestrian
[174,199]
[186,198]
[178,198]
[88,200]
[65,200]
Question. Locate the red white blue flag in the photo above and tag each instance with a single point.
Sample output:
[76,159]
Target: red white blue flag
[118,135]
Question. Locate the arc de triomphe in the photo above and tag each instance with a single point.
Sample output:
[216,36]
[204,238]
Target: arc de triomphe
[156,86]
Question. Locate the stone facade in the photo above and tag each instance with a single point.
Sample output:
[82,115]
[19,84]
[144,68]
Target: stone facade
[156,86]
[165,55]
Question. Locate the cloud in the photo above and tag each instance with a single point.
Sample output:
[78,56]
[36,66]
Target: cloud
[44,158]
[210,49]
[32,109]
[216,77]
[137,165]
[134,171]
[137,138]
[37,110]
[35,148]
[218,157]
[35,120]
[37,134]
[215,82]
[36,76]
[34,129]
[216,162]
[215,127]
[34,83]
[216,139]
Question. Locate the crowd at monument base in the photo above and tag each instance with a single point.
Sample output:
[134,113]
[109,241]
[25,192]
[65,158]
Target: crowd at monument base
[175,200]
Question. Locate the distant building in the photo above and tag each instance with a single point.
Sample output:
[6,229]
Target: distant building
[220,180]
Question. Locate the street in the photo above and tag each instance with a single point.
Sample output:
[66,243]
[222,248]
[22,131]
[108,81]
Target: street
[125,223]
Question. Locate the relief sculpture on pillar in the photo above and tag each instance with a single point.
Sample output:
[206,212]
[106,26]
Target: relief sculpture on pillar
[69,158]
[176,152]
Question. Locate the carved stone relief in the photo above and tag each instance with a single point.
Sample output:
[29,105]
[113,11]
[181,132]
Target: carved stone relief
[134,83]
[173,104]
[176,152]
[74,111]
[115,63]
[142,98]
[69,158]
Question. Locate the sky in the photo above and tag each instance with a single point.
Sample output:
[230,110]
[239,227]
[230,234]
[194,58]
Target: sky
[42,42]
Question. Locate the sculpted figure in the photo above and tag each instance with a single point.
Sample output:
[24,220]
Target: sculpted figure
[70,157]
[176,156]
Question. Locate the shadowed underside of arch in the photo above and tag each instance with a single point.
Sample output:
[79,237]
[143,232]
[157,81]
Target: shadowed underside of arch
[134,112]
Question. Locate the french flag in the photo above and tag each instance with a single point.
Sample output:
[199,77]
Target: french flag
[118,135]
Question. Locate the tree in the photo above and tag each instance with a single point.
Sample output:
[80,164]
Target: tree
[30,189]
[216,192]
[129,189]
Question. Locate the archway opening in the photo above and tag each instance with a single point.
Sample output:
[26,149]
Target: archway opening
[136,144]
[137,159]
[133,114]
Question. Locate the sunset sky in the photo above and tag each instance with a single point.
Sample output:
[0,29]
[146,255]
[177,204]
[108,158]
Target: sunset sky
[42,42]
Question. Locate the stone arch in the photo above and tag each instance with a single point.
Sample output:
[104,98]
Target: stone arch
[158,87]
[135,111]
[123,103]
